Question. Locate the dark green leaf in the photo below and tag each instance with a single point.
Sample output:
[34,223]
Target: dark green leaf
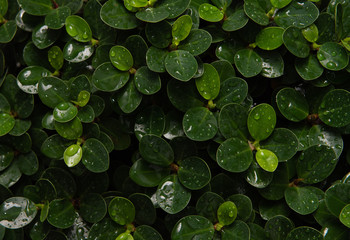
[256,11]
[95,156]
[76,52]
[146,232]
[232,90]
[334,108]
[145,211]
[194,173]
[52,91]
[146,81]
[92,207]
[43,36]
[235,21]
[39,7]
[70,130]
[308,68]
[61,213]
[150,121]
[234,155]
[295,42]
[261,121]
[306,233]
[171,196]
[239,230]
[7,31]
[192,227]
[155,150]
[129,98]
[181,65]
[57,17]
[258,177]
[114,14]
[333,56]
[197,42]
[121,210]
[337,197]
[199,124]
[17,212]
[278,227]
[248,62]
[301,199]
[298,14]
[107,78]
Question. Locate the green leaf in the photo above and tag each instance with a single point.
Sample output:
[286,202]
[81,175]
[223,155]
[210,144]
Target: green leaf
[301,199]
[248,62]
[38,7]
[309,68]
[261,121]
[52,91]
[146,81]
[95,156]
[208,84]
[192,227]
[239,230]
[334,108]
[280,3]
[17,212]
[138,49]
[269,38]
[61,213]
[267,160]
[237,20]
[227,213]
[72,155]
[121,58]
[146,232]
[4,7]
[234,155]
[232,90]
[295,42]
[107,78]
[344,216]
[306,233]
[121,210]
[7,122]
[173,125]
[7,31]
[155,58]
[298,14]
[54,146]
[114,14]
[292,104]
[129,98]
[210,13]
[337,197]
[310,33]
[151,120]
[256,11]
[333,56]
[155,150]
[93,207]
[194,173]
[146,174]
[181,65]
[199,124]
[171,196]
[57,17]
[197,42]
[283,143]
[55,56]
[181,29]
[233,126]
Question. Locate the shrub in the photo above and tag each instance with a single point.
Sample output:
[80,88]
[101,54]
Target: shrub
[174,119]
